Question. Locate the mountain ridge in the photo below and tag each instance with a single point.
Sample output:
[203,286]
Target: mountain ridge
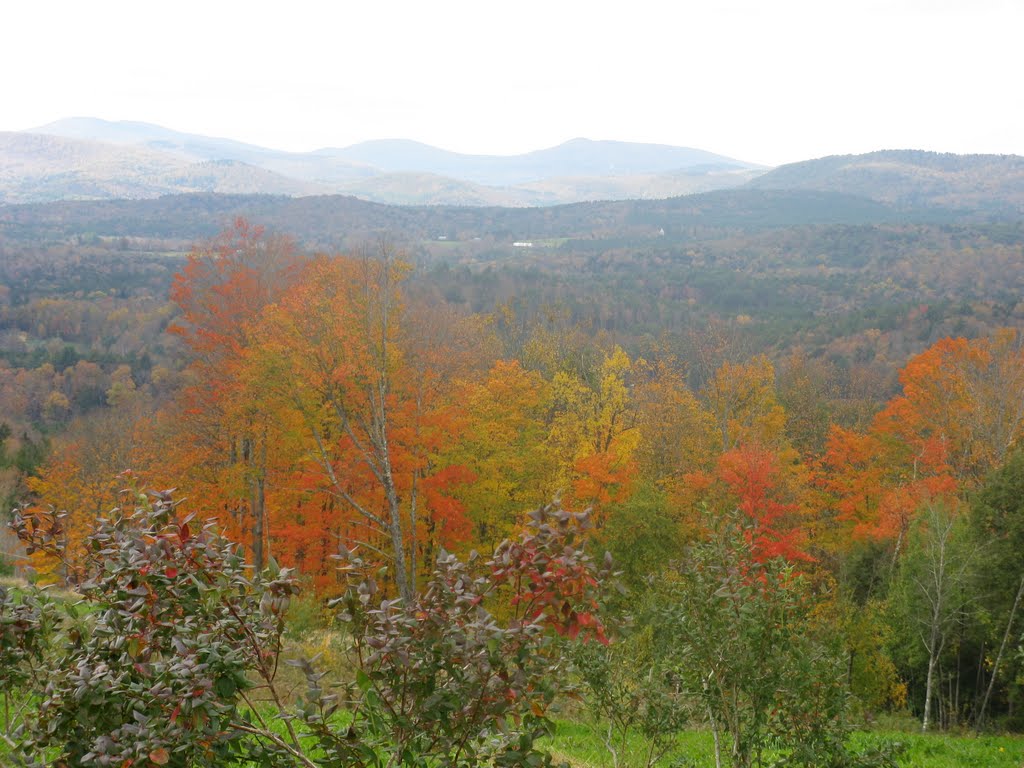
[578,169]
[329,221]
[137,159]
[44,168]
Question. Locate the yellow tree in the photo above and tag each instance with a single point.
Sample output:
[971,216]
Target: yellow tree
[82,476]
[678,433]
[744,405]
[595,430]
[807,390]
[502,445]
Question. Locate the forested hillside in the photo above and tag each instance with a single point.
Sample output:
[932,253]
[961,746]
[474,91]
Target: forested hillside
[911,178]
[805,402]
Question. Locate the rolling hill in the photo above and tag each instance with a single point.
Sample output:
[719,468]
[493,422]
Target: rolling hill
[330,221]
[40,168]
[575,158]
[910,178]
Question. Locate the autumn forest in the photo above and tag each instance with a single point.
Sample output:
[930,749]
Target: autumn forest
[795,433]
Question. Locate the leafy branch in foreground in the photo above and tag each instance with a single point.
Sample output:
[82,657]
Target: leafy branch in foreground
[154,660]
[159,663]
[442,680]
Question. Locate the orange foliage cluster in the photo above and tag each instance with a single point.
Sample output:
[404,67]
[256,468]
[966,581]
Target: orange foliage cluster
[960,413]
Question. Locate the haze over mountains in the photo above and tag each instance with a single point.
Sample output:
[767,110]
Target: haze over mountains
[91,159]
[87,158]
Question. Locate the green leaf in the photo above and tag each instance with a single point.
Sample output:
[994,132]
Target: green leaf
[225,687]
[363,681]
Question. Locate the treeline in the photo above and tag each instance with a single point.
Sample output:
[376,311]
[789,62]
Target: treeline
[333,220]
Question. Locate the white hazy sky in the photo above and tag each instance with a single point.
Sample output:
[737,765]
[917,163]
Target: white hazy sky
[768,81]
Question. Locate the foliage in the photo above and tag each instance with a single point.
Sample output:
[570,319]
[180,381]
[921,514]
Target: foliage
[503,425]
[441,681]
[81,477]
[26,633]
[640,379]
[224,285]
[873,678]
[643,535]
[997,530]
[155,667]
[966,394]
[579,745]
[739,632]
[930,598]
[632,695]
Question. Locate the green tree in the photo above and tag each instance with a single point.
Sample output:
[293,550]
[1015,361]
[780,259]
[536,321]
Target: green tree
[642,535]
[931,592]
[997,523]
[742,637]
[631,690]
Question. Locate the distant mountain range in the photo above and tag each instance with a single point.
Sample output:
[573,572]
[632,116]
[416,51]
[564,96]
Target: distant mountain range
[90,159]
[87,158]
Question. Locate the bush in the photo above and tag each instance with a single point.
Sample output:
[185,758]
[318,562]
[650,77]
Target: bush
[26,631]
[629,692]
[441,681]
[741,635]
[157,666]
[152,670]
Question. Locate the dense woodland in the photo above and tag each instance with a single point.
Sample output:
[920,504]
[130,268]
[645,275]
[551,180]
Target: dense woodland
[836,404]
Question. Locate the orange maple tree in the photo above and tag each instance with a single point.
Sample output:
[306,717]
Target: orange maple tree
[753,476]
[963,400]
[374,412]
[223,287]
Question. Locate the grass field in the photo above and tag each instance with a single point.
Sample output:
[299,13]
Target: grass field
[579,746]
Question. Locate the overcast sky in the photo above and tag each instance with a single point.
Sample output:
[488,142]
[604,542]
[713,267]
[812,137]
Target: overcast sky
[767,81]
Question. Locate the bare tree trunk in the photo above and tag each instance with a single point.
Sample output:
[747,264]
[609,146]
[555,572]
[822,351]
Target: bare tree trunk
[254,468]
[398,543]
[940,585]
[933,658]
[897,549]
[256,503]
[714,734]
[956,690]
[413,544]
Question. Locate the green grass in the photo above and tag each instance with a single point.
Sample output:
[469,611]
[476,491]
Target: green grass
[939,750]
[580,747]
